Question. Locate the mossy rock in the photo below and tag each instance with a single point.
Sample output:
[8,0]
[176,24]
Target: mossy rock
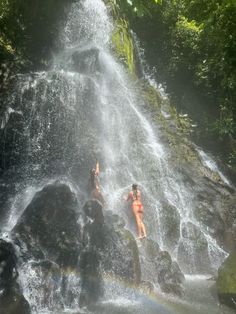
[123,44]
[226,282]
[121,38]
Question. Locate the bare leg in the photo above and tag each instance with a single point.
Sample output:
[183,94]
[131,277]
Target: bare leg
[142,226]
[138,225]
[143,229]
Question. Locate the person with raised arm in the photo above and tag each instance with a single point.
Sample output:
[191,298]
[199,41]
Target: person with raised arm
[94,184]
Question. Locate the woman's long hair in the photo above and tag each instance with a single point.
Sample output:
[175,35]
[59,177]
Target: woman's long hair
[135,191]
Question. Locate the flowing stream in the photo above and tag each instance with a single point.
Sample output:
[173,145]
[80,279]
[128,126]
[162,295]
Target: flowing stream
[86,108]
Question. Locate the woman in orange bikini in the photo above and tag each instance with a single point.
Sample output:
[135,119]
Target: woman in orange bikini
[137,208]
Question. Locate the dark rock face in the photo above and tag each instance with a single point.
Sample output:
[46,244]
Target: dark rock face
[11,299]
[91,278]
[170,225]
[226,282]
[107,249]
[117,246]
[158,267]
[12,139]
[214,204]
[211,219]
[90,259]
[48,226]
[8,260]
[193,248]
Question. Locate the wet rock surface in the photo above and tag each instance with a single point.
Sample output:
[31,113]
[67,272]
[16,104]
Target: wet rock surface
[170,225]
[193,254]
[158,268]
[48,227]
[108,249]
[226,281]
[12,300]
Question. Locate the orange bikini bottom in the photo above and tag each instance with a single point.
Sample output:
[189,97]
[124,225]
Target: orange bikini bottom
[137,208]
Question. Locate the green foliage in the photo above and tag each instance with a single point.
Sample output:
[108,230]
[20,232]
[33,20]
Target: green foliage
[138,8]
[226,282]
[185,40]
[225,125]
[123,44]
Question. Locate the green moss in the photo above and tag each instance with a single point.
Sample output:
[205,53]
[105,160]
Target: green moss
[123,45]
[176,129]
[121,37]
[226,283]
[187,25]
[6,46]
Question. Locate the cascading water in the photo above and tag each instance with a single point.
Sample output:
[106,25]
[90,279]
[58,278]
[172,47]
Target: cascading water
[85,108]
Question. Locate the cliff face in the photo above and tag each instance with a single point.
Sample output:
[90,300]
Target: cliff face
[28,34]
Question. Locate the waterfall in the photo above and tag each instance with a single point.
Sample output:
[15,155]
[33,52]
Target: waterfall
[85,108]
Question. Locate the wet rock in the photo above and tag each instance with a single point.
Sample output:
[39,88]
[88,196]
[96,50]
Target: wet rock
[86,61]
[158,267]
[226,282]
[120,257]
[113,219]
[48,227]
[11,299]
[117,246]
[91,278]
[170,225]
[90,258]
[13,302]
[12,139]
[8,272]
[192,252]
[108,249]
[207,216]
[214,204]
[93,210]
[45,283]
[146,287]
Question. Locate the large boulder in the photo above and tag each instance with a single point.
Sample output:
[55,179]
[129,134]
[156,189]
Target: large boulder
[48,227]
[226,282]
[11,299]
[157,267]
[117,246]
[192,252]
[108,249]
